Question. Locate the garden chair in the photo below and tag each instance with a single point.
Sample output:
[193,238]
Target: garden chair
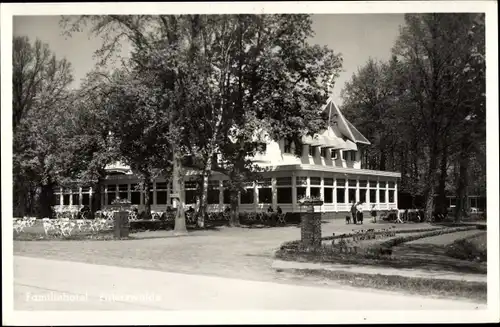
[210,216]
[252,217]
[281,218]
[155,216]
[104,223]
[67,227]
[132,216]
[85,215]
[190,218]
[73,214]
[80,224]
[30,221]
[94,225]
[19,225]
[48,225]
[398,219]
[108,214]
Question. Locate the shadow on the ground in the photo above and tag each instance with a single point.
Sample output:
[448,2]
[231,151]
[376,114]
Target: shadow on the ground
[433,257]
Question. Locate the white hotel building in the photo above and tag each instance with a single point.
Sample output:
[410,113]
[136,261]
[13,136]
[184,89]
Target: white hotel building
[329,166]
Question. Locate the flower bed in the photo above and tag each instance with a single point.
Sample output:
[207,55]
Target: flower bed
[347,248]
[363,235]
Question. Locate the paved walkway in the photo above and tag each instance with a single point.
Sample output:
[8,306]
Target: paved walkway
[41,284]
[405,272]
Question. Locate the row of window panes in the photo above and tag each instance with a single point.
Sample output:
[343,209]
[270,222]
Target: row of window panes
[301,180]
[281,181]
[284,195]
[265,193]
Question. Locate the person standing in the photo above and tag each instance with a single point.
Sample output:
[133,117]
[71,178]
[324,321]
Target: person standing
[278,210]
[374,214]
[353,212]
[359,210]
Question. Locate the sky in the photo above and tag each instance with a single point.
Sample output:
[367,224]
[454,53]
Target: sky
[357,37]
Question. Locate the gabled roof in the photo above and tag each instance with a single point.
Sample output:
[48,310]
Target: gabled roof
[344,126]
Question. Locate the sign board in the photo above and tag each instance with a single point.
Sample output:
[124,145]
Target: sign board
[174,195]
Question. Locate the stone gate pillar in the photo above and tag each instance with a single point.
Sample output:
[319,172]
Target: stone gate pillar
[310,231]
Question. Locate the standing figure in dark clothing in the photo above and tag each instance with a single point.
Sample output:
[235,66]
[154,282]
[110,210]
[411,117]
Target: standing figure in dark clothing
[374,214]
[278,210]
[359,212]
[353,212]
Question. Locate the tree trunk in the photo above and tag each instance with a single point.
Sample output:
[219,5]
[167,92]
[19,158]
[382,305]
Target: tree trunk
[208,164]
[204,194]
[177,182]
[430,183]
[235,214]
[382,159]
[441,205]
[20,198]
[461,204]
[147,199]
[96,196]
[45,200]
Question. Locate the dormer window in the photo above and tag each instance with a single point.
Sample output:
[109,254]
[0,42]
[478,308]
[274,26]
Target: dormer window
[345,155]
[311,150]
[323,152]
[334,154]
